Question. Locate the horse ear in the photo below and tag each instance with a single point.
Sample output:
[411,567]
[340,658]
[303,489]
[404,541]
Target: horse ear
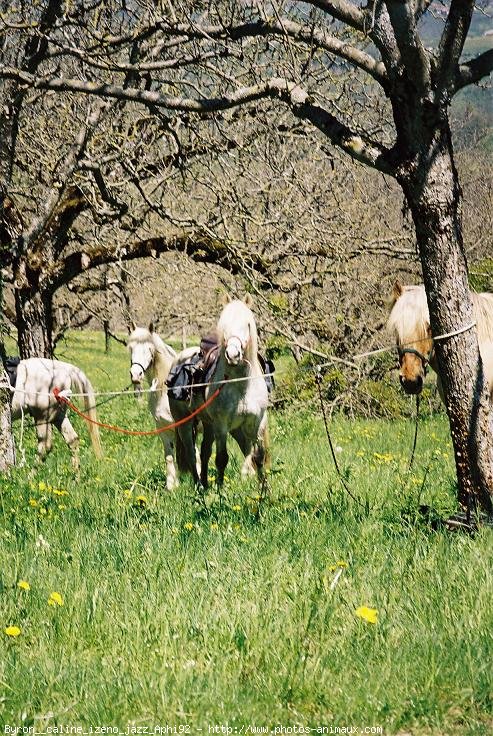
[226,299]
[248,300]
[151,327]
[398,289]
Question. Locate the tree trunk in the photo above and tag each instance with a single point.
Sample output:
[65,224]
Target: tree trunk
[7,447]
[34,323]
[433,193]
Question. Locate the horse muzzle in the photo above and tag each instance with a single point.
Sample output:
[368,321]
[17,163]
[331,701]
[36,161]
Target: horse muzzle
[137,374]
[412,386]
[233,352]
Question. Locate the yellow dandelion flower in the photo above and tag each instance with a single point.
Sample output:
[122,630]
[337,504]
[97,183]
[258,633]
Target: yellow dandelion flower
[23,585]
[188,526]
[214,527]
[367,614]
[142,500]
[12,631]
[58,492]
[41,486]
[55,599]
[33,502]
[340,563]
[236,507]
[127,493]
[42,511]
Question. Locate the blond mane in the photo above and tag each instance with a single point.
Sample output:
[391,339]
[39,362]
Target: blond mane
[409,318]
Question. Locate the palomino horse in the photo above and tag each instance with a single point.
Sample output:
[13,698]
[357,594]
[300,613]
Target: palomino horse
[240,408]
[151,358]
[33,394]
[410,321]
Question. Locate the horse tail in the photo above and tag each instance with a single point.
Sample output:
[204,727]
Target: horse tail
[266,442]
[86,388]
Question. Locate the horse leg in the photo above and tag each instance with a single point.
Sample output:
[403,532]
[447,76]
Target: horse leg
[44,435]
[62,423]
[171,479]
[186,452]
[221,457]
[205,453]
[246,446]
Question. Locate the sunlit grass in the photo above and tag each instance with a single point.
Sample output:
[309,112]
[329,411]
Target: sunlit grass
[184,613]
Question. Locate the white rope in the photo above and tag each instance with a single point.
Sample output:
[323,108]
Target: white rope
[423,339]
[67,393]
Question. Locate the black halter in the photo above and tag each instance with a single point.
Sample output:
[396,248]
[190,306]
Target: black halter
[134,362]
[425,359]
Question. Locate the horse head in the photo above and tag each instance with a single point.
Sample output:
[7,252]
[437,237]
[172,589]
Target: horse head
[410,322]
[237,332]
[142,352]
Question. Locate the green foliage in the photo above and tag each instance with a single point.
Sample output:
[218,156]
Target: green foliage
[278,302]
[275,346]
[383,400]
[179,613]
[481,275]
[334,383]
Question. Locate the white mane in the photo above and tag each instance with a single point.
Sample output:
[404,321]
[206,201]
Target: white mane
[483,312]
[163,354]
[141,335]
[235,318]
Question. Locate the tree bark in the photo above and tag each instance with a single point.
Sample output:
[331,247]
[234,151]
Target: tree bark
[431,185]
[7,447]
[34,322]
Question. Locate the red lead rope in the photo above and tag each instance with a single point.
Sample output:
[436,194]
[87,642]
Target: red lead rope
[63,400]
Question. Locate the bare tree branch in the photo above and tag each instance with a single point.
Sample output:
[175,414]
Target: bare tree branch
[474,70]
[413,54]
[71,162]
[200,249]
[452,41]
[343,11]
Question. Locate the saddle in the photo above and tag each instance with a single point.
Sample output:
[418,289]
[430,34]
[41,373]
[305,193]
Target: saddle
[200,369]
[10,364]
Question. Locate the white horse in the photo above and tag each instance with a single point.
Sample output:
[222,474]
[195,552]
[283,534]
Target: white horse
[240,408]
[151,358]
[33,394]
[410,321]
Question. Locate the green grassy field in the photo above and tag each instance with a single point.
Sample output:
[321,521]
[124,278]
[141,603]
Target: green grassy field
[176,614]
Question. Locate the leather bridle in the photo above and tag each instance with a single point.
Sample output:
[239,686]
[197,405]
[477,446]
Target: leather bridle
[425,359]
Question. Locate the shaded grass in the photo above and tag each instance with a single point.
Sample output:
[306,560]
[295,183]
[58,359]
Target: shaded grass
[178,614]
